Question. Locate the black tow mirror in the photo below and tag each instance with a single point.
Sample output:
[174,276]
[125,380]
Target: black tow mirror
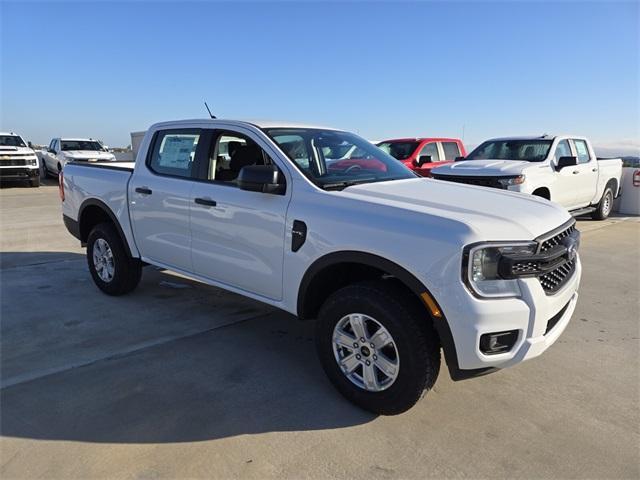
[51,150]
[566,162]
[421,160]
[261,178]
[459,159]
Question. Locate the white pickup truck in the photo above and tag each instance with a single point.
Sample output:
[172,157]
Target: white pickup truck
[561,168]
[392,266]
[63,150]
[17,160]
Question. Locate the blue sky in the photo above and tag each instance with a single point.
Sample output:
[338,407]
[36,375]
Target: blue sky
[104,69]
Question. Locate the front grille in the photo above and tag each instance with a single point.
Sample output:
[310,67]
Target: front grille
[491,182]
[18,172]
[554,280]
[557,239]
[14,162]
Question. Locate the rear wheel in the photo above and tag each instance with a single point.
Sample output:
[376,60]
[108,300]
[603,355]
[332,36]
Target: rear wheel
[112,269]
[377,349]
[604,207]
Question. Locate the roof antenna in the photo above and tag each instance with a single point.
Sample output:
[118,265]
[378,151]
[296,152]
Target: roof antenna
[208,110]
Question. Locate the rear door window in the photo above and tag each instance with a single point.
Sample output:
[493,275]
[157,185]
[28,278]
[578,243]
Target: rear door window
[451,150]
[174,152]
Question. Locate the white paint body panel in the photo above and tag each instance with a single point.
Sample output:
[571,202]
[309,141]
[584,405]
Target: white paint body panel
[243,244]
[572,187]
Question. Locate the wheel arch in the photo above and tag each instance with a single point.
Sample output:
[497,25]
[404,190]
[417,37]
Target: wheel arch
[543,192]
[92,212]
[314,288]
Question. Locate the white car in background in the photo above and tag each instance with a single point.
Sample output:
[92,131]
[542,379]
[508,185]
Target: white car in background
[63,150]
[17,160]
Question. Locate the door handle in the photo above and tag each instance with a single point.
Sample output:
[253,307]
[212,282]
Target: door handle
[594,169]
[207,202]
[144,190]
[575,172]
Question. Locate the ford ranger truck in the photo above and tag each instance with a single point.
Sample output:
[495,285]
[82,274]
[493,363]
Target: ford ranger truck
[563,169]
[253,208]
[63,150]
[17,160]
[422,155]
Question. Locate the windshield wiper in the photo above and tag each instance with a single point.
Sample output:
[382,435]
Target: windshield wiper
[347,183]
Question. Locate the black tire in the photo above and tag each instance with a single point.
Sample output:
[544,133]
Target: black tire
[414,338]
[605,206]
[126,270]
[45,172]
[34,182]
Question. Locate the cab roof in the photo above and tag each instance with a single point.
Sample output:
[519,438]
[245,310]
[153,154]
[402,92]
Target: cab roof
[255,123]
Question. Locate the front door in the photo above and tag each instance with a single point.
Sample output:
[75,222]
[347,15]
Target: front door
[237,235]
[566,181]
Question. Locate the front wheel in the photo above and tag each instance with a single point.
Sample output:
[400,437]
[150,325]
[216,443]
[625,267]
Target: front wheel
[378,350]
[34,182]
[604,207]
[112,269]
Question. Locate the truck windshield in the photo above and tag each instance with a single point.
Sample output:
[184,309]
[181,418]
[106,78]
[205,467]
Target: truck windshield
[528,150]
[399,150]
[11,141]
[334,160]
[81,145]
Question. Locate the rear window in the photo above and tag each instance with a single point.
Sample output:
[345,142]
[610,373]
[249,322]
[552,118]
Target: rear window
[451,150]
[399,150]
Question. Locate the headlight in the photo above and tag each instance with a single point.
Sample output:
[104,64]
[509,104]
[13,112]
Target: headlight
[480,268]
[506,181]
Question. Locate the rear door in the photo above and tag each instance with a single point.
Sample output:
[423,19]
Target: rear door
[159,196]
[237,235]
[587,169]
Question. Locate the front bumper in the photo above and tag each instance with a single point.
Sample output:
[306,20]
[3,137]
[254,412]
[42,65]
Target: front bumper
[531,315]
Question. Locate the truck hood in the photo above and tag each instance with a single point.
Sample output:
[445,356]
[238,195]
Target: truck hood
[7,150]
[88,154]
[490,213]
[489,168]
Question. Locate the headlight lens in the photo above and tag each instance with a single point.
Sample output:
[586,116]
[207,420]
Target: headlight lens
[481,271]
[506,181]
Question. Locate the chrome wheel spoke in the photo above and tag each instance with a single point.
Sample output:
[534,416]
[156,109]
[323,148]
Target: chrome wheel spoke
[357,325]
[386,366]
[381,338]
[344,339]
[369,378]
[349,363]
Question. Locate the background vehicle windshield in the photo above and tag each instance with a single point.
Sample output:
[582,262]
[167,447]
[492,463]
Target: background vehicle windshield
[334,159]
[81,145]
[399,150]
[529,150]
[11,141]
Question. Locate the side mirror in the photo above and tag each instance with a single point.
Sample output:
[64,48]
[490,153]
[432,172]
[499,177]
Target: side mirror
[51,150]
[30,145]
[566,162]
[422,159]
[261,178]
[459,159]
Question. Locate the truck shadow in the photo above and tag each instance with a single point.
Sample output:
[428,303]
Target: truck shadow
[175,361]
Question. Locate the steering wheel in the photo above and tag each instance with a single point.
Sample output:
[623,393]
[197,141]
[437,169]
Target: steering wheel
[352,168]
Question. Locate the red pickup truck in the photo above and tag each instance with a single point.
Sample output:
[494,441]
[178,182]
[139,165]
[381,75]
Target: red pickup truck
[423,154]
